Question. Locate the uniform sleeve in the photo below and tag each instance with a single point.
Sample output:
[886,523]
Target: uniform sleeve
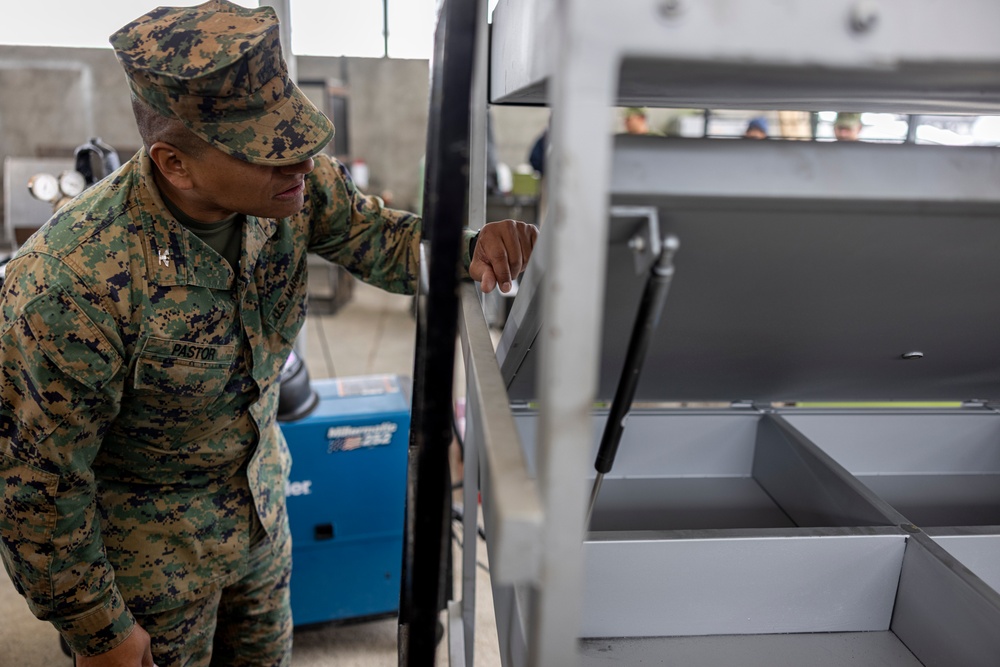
[377,244]
[60,388]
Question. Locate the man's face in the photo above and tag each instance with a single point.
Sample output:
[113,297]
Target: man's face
[636,124]
[224,184]
[847,132]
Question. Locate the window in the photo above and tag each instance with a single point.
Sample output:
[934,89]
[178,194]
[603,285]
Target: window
[411,28]
[79,24]
[337,28]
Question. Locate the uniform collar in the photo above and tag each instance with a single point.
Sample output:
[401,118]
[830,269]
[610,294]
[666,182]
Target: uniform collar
[255,235]
[175,256]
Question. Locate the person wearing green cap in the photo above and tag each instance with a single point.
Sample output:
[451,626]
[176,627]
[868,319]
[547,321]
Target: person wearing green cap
[847,126]
[636,121]
[142,332]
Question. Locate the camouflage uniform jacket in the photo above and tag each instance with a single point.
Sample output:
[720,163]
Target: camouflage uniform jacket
[138,391]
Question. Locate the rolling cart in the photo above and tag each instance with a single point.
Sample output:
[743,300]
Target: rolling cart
[735,527]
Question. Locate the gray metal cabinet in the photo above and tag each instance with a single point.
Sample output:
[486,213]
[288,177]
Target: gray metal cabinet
[748,531]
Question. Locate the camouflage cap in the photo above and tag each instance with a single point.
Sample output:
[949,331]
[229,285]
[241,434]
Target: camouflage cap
[217,68]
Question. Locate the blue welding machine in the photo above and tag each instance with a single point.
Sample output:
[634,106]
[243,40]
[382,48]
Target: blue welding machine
[348,438]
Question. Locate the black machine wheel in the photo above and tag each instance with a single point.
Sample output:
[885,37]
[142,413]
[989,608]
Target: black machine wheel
[426,543]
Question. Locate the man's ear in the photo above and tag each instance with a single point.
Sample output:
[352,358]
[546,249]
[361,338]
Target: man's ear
[173,164]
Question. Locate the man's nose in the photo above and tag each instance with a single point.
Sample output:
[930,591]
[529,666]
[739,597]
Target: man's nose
[303,167]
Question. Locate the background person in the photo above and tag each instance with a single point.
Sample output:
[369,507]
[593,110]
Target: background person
[536,156]
[637,121]
[847,126]
[756,129]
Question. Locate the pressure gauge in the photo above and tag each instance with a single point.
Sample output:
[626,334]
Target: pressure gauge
[44,187]
[72,182]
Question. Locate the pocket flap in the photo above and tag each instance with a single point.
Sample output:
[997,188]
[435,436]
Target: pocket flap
[71,340]
[182,368]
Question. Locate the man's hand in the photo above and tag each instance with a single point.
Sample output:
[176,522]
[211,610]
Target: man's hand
[133,652]
[502,252]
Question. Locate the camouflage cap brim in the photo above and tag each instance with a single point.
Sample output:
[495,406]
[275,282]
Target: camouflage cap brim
[287,134]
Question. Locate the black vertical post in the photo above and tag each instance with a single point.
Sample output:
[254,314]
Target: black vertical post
[428,502]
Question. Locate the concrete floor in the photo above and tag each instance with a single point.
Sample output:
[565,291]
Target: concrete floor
[372,334]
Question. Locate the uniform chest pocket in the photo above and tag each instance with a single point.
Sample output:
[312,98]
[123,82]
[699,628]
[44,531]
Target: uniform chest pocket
[182,369]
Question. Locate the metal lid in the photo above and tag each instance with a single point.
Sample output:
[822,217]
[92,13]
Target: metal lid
[807,272]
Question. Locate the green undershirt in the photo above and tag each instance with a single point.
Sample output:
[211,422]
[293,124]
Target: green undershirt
[224,237]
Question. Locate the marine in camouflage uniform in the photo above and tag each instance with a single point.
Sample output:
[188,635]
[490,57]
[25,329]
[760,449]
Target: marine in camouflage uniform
[142,471]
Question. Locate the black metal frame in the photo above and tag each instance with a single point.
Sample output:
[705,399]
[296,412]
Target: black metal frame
[428,507]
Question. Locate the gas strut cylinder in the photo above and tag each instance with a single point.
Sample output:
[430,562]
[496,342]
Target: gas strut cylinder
[654,296]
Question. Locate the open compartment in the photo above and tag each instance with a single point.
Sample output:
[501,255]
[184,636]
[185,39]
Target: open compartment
[685,472]
[726,536]
[975,548]
[823,598]
[656,584]
[684,598]
[936,468]
[718,469]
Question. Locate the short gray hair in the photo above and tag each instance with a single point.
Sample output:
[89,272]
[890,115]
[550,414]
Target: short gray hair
[154,127]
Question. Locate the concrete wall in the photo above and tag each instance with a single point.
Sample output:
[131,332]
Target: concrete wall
[387,117]
[54,99]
